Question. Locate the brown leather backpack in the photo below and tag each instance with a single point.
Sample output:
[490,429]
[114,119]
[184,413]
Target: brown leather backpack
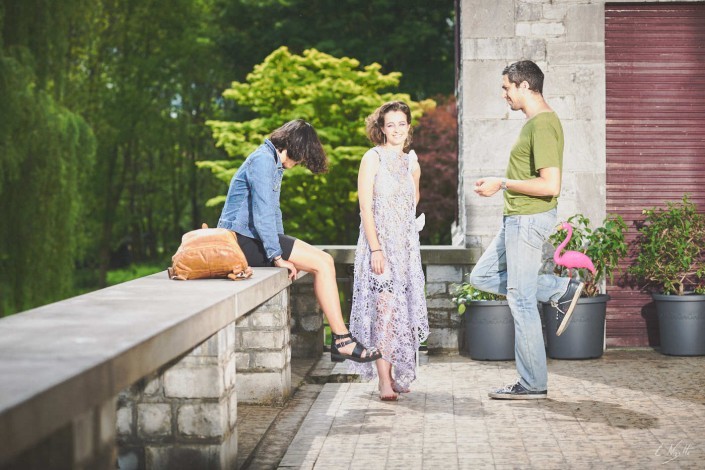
[209,253]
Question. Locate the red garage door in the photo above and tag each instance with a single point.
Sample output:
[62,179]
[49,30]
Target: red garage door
[655,66]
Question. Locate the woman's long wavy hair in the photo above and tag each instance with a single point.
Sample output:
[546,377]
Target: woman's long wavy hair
[375,122]
[302,145]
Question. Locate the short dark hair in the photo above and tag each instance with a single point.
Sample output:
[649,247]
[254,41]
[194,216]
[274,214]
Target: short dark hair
[375,122]
[525,71]
[302,145]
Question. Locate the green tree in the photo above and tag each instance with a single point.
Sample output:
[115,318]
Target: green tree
[414,37]
[334,95]
[153,75]
[108,97]
[103,106]
[46,152]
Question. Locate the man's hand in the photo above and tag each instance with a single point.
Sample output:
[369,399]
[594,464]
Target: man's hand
[487,187]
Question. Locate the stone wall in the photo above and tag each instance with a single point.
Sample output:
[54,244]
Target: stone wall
[306,320]
[566,39]
[443,318]
[150,371]
[184,416]
[151,364]
[263,352]
[86,443]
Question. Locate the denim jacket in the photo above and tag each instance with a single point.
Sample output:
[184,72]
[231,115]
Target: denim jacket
[252,204]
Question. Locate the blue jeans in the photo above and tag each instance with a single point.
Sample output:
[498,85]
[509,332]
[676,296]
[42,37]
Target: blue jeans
[510,266]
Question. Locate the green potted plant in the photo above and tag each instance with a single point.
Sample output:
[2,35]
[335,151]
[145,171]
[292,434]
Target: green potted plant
[670,262]
[605,246]
[489,325]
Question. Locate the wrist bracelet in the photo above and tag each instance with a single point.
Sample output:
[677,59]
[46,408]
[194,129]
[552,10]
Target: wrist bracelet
[372,251]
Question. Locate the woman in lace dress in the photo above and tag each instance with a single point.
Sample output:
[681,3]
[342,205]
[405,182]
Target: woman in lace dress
[389,305]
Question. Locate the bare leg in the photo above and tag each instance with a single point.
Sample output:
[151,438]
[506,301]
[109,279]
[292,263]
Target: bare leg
[384,371]
[320,264]
[385,313]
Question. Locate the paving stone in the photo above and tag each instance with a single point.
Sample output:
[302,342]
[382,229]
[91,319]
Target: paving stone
[629,409]
[624,410]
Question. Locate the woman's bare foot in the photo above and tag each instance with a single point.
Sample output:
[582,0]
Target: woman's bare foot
[398,388]
[386,392]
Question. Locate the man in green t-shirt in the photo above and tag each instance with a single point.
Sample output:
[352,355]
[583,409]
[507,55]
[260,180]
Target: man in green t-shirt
[511,264]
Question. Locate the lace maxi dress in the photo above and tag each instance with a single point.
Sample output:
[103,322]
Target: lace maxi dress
[389,310]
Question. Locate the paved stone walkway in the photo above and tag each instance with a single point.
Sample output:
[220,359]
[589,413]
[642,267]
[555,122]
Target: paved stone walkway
[628,409]
[265,432]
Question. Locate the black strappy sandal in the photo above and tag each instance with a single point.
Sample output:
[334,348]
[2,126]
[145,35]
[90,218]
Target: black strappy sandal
[337,356]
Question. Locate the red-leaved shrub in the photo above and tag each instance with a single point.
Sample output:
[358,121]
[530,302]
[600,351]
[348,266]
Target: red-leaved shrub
[436,143]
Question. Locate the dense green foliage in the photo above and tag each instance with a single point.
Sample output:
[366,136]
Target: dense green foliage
[334,95]
[670,249]
[465,293]
[103,105]
[134,271]
[414,37]
[102,112]
[45,153]
[152,85]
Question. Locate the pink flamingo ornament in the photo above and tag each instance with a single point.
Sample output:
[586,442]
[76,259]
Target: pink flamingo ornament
[572,259]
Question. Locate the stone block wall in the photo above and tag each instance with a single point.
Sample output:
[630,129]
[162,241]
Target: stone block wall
[443,319]
[87,443]
[566,39]
[143,374]
[184,416]
[263,352]
[306,320]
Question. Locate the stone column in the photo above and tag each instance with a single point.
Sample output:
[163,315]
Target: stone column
[86,443]
[264,352]
[184,415]
[443,318]
[306,320]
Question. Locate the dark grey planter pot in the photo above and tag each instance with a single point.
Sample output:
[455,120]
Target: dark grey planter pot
[681,321]
[585,336]
[489,330]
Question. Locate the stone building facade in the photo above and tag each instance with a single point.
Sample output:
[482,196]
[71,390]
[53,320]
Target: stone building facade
[616,141]
[566,38]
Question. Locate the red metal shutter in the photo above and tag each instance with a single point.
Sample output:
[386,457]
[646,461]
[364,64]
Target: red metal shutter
[655,78]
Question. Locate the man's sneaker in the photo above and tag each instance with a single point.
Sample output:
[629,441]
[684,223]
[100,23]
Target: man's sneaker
[517,391]
[566,304]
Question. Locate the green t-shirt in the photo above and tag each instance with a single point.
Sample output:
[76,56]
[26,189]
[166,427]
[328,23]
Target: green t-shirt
[540,145]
